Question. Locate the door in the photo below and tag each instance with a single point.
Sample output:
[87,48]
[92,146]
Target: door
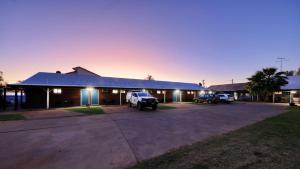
[85,97]
[89,97]
[176,96]
[95,97]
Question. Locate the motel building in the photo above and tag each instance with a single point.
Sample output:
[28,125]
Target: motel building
[82,87]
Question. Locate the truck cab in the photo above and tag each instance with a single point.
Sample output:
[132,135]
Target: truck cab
[141,99]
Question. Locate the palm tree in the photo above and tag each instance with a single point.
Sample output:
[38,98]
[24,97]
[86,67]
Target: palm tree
[264,83]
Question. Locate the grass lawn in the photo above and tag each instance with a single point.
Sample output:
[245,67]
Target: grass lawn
[7,117]
[165,107]
[271,144]
[87,110]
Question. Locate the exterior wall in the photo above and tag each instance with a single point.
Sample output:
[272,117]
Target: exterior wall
[160,97]
[109,98]
[68,97]
[187,96]
[36,97]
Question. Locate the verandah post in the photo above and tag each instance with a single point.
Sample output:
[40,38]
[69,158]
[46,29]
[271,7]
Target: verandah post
[47,98]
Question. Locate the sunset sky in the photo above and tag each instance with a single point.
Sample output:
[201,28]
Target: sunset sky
[175,40]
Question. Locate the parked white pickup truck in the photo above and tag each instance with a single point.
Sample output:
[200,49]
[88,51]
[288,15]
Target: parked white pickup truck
[141,100]
[225,98]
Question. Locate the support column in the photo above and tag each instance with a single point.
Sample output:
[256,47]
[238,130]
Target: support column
[164,96]
[1,98]
[273,97]
[21,99]
[4,99]
[180,96]
[120,97]
[47,106]
[291,97]
[16,99]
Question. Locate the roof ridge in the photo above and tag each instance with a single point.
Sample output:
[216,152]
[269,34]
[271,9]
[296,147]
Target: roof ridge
[116,78]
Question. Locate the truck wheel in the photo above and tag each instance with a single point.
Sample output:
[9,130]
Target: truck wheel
[209,101]
[154,107]
[139,106]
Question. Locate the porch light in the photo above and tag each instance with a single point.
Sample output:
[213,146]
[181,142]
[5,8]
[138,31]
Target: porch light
[177,91]
[158,92]
[57,91]
[115,91]
[202,92]
[144,90]
[90,89]
[210,92]
[293,92]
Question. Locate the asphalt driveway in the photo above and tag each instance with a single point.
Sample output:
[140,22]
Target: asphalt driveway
[121,138]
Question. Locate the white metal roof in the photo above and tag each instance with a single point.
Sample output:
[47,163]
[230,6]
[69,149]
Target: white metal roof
[76,80]
[294,83]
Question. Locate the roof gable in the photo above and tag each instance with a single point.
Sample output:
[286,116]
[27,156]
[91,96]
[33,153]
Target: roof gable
[82,71]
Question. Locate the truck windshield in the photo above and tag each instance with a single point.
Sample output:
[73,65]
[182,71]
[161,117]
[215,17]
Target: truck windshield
[142,94]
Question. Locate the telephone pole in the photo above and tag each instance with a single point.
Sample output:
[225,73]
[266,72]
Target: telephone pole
[281,60]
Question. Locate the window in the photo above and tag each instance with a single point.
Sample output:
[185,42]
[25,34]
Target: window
[143,94]
[192,92]
[158,92]
[122,91]
[57,91]
[115,91]
[164,92]
[188,92]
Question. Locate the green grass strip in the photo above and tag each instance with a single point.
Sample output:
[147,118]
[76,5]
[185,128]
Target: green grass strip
[87,110]
[8,117]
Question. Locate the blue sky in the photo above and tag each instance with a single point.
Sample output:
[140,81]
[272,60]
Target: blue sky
[189,41]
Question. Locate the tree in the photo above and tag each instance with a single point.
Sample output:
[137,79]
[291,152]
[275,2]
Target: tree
[263,83]
[2,82]
[298,72]
[149,77]
[290,73]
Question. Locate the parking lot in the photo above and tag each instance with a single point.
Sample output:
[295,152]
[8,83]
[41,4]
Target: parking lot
[121,137]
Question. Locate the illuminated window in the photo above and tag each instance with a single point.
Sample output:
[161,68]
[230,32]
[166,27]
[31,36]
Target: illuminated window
[115,91]
[188,92]
[122,91]
[158,92]
[192,92]
[164,92]
[57,91]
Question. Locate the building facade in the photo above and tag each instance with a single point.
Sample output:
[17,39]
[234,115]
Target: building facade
[83,87]
[237,90]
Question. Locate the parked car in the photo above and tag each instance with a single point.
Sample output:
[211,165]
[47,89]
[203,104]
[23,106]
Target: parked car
[141,100]
[226,98]
[207,98]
